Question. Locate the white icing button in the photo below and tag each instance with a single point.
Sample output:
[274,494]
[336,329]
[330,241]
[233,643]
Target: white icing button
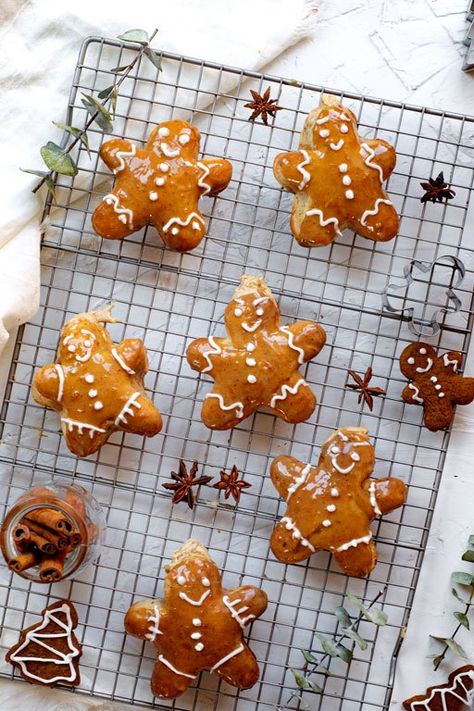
[163,132]
[326,523]
[196,635]
[259,312]
[184,138]
[344,128]
[153,196]
[160,181]
[206,582]
[438,387]
[434,379]
[343,168]
[238,312]
[181,580]
[164,167]
[174,231]
[251,379]
[440,394]
[89,378]
[92,393]
[349,194]
[423,351]
[251,362]
[199,647]
[71,349]
[331,508]
[250,347]
[410,361]
[98,405]
[334,492]
[346,180]
[324,133]
[197,622]
[123,218]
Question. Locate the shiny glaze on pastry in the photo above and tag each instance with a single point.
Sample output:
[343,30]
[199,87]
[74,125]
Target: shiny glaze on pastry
[96,385]
[331,505]
[257,364]
[198,625]
[160,185]
[337,178]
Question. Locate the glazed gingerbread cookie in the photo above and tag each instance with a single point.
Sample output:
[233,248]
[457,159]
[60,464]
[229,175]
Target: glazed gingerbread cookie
[331,505]
[457,694]
[96,385]
[48,652]
[337,178]
[160,185]
[435,383]
[198,625]
[258,363]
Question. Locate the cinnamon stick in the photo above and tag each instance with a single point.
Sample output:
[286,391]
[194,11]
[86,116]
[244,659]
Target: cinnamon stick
[23,561]
[51,518]
[42,544]
[51,569]
[53,537]
[21,532]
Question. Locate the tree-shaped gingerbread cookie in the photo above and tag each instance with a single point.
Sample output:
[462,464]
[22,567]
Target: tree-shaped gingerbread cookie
[337,178]
[435,383]
[258,363]
[160,185]
[198,625]
[96,385]
[331,505]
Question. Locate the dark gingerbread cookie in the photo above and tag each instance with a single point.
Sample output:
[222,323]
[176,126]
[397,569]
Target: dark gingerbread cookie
[455,695]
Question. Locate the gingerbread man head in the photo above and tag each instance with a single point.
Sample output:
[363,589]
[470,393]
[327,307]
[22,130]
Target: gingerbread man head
[198,625]
[331,505]
[253,309]
[161,185]
[435,383]
[337,179]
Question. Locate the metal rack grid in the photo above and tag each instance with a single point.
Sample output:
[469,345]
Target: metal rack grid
[167,299]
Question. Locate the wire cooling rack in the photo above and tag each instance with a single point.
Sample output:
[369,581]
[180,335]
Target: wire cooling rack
[168,299]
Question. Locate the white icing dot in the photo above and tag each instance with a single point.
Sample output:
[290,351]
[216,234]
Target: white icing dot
[89,378]
[324,133]
[163,132]
[160,181]
[196,635]
[331,508]
[181,580]
[410,361]
[238,312]
[423,351]
[174,231]
[153,196]
[250,347]
[251,379]
[349,194]
[343,168]
[440,394]
[344,128]
[123,218]
[346,180]
[434,379]
[199,647]
[355,457]
[206,582]
[259,312]
[184,138]
[87,343]
[251,362]
[335,450]
[164,167]
[98,405]
[71,348]
[438,387]
[326,523]
[197,622]
[92,393]
[334,492]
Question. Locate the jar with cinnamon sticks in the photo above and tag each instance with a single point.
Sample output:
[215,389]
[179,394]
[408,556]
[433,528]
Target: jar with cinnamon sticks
[52,532]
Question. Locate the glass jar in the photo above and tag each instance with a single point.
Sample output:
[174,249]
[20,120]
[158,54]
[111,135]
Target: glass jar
[82,523]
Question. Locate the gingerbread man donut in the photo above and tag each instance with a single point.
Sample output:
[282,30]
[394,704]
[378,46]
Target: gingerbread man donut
[337,179]
[160,185]
[198,625]
[331,505]
[258,363]
[435,383]
[96,386]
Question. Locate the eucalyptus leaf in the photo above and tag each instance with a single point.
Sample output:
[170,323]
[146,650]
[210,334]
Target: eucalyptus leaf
[76,132]
[452,644]
[119,70]
[462,578]
[310,658]
[300,679]
[101,116]
[328,646]
[455,593]
[463,619]
[38,173]
[153,56]
[355,636]
[57,159]
[344,653]
[468,556]
[437,659]
[375,614]
[51,186]
[105,93]
[343,616]
[135,35]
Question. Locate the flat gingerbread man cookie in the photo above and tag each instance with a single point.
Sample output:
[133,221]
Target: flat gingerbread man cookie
[96,385]
[258,363]
[160,185]
[435,383]
[456,695]
[337,178]
[198,625]
[331,505]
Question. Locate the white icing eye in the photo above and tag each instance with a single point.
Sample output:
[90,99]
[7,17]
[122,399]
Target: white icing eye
[87,343]
[206,582]
[411,361]
[324,133]
[355,457]
[335,450]
[184,139]
[259,312]
[89,378]
[238,312]
[344,128]
[163,132]
[423,351]
[181,580]
[71,348]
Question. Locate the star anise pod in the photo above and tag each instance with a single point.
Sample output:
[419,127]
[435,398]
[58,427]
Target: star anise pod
[184,482]
[366,392]
[231,484]
[437,190]
[262,106]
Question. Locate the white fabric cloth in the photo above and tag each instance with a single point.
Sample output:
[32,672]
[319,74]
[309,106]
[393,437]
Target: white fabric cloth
[39,43]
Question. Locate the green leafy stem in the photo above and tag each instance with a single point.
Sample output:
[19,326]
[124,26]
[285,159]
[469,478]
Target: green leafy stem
[57,158]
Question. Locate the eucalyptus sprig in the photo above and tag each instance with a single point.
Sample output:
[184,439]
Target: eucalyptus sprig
[466,582]
[333,647]
[101,110]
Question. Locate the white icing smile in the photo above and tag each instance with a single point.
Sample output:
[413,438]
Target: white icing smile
[337,146]
[251,329]
[196,603]
[168,151]
[429,365]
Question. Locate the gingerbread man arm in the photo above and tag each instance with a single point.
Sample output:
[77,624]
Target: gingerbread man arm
[202,353]
[116,153]
[308,336]
[132,353]
[383,155]
[285,471]
[464,393]
[411,394]
[246,603]
[289,172]
[389,494]
[46,386]
[452,361]
[217,173]
[138,415]
[137,619]
[241,670]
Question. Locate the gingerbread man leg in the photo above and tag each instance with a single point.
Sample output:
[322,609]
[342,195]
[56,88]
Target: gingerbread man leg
[241,670]
[289,547]
[220,406]
[358,561]
[82,445]
[295,401]
[112,218]
[316,229]
[166,684]
[379,222]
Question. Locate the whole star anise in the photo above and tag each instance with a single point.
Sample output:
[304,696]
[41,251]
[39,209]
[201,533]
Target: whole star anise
[437,190]
[262,106]
[184,482]
[231,484]
[366,391]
